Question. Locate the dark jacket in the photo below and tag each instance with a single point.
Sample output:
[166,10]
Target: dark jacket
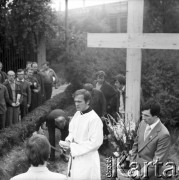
[50,123]
[4,98]
[18,90]
[3,77]
[41,94]
[98,102]
[110,95]
[26,91]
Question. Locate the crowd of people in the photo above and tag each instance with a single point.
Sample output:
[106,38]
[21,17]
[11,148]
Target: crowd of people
[84,134]
[24,90]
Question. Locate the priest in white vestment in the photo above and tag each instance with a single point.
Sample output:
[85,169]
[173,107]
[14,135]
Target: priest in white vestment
[85,137]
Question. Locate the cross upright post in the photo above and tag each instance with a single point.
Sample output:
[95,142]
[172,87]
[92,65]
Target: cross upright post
[133,64]
[134,40]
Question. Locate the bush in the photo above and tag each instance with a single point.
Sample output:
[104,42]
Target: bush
[16,134]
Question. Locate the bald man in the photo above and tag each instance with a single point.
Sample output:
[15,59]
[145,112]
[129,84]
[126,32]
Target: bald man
[56,119]
[15,99]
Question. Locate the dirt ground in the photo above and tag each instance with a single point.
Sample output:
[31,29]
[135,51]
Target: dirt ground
[60,166]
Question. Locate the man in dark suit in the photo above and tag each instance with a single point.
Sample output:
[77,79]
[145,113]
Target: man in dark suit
[151,144]
[120,85]
[26,92]
[4,98]
[109,94]
[15,97]
[3,75]
[35,88]
[98,101]
[40,78]
[108,91]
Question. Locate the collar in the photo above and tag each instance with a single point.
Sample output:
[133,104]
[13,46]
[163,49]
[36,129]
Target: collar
[11,82]
[38,168]
[123,89]
[86,111]
[20,80]
[154,124]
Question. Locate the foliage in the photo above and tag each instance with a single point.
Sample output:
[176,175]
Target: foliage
[80,63]
[159,69]
[161,16]
[160,81]
[121,133]
[25,22]
[16,134]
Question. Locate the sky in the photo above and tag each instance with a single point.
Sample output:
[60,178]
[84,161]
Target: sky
[72,4]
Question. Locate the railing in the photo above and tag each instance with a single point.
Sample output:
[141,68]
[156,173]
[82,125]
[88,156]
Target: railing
[12,59]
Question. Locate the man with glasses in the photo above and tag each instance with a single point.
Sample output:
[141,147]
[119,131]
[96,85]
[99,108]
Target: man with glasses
[26,92]
[151,144]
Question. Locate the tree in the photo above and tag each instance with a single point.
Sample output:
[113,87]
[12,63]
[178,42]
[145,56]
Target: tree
[81,62]
[159,72]
[161,16]
[25,22]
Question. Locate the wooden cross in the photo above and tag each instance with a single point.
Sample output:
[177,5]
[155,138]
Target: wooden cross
[134,41]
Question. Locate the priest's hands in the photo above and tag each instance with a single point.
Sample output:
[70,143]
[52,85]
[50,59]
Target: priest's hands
[66,146]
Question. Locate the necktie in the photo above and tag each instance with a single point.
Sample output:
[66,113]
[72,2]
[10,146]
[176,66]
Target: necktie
[147,132]
[121,108]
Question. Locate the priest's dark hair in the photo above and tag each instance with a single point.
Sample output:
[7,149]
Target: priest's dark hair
[37,150]
[84,92]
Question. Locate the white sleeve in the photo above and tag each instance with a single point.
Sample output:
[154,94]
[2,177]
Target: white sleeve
[95,139]
[71,126]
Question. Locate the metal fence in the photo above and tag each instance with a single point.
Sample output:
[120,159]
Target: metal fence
[12,59]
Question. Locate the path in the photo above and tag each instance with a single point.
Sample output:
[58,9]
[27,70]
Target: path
[59,90]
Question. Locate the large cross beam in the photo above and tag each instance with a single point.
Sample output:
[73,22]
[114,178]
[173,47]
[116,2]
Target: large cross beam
[134,41]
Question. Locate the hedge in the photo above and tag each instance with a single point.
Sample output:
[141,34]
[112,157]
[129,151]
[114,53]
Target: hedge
[16,134]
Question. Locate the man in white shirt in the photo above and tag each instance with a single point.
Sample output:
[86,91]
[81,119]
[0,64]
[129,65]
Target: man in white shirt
[85,137]
[151,144]
[38,152]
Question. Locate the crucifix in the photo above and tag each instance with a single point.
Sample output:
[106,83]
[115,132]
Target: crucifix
[134,40]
